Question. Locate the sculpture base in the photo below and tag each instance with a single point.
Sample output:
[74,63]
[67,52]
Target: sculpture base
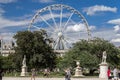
[103,70]
[78,73]
[24,71]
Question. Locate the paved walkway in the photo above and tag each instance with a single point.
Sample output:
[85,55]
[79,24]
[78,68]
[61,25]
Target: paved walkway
[28,78]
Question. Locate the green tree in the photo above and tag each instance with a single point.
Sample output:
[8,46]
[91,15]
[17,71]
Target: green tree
[33,44]
[1,61]
[6,63]
[89,53]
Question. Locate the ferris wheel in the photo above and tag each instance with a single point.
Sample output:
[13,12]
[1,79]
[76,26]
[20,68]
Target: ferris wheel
[64,24]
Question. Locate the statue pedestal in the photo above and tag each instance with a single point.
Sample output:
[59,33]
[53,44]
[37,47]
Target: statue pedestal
[24,71]
[103,70]
[78,72]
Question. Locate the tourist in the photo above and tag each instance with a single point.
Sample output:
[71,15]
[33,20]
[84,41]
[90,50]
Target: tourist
[46,72]
[33,74]
[115,73]
[109,73]
[67,74]
[119,73]
[1,74]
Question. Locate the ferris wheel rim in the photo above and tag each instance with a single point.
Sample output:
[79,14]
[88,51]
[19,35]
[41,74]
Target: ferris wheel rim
[73,10]
[61,5]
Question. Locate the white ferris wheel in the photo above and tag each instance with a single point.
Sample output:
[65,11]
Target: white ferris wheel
[64,24]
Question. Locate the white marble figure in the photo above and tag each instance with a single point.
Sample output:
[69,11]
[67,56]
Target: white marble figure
[104,56]
[24,67]
[24,61]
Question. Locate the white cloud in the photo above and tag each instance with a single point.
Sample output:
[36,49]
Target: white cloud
[7,36]
[48,17]
[118,35]
[10,23]
[78,27]
[99,8]
[7,1]
[92,27]
[5,23]
[116,28]
[115,21]
[46,1]
[115,40]
[1,11]
[54,15]
[107,34]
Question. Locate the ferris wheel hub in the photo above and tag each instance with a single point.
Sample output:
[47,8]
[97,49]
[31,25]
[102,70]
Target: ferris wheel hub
[60,34]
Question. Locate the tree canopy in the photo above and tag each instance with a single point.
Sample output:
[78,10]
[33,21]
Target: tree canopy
[33,44]
[89,53]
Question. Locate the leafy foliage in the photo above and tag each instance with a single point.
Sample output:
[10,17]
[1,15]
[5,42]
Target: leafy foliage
[33,44]
[1,62]
[89,53]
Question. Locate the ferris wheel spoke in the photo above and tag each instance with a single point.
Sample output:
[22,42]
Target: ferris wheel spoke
[61,16]
[70,42]
[53,17]
[70,39]
[36,27]
[64,43]
[46,22]
[69,33]
[50,31]
[73,21]
[81,21]
[56,43]
[43,29]
[67,21]
[52,35]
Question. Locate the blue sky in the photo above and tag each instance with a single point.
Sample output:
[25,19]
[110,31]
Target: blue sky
[103,16]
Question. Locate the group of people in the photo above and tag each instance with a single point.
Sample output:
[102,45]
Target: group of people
[115,74]
[46,73]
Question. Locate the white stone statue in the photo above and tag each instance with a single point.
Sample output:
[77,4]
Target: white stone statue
[24,61]
[24,67]
[103,67]
[104,56]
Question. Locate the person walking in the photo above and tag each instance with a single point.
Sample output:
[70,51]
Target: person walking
[115,73]
[67,74]
[109,73]
[1,74]
[46,72]
[119,73]
[33,74]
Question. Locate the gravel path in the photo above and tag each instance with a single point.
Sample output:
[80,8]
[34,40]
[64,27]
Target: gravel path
[28,78]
